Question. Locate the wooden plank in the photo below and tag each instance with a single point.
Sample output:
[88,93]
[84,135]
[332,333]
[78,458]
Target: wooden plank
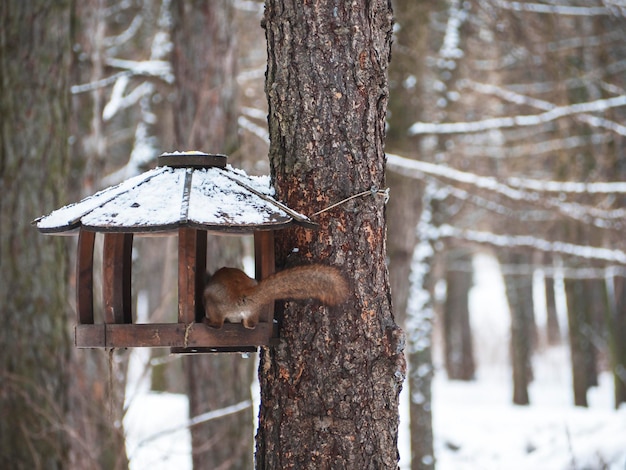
[229,349]
[192,160]
[264,264]
[192,245]
[155,335]
[84,277]
[116,279]
[200,272]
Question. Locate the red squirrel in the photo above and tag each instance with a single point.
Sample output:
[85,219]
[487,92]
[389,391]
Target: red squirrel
[233,296]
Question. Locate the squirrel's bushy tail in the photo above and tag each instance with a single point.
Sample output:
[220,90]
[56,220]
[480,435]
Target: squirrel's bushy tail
[315,281]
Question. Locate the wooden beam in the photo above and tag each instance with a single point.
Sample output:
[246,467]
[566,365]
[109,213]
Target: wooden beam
[155,335]
[116,280]
[264,264]
[84,277]
[192,246]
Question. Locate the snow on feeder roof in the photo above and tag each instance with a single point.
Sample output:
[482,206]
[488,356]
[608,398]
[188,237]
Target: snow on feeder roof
[187,189]
[189,193]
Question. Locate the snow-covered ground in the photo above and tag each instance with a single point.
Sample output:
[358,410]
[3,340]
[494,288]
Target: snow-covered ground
[475,425]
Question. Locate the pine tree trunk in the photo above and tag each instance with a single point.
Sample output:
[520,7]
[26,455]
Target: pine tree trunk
[580,347]
[329,391]
[519,293]
[97,398]
[617,333]
[404,208]
[553,329]
[205,118]
[35,51]
[459,354]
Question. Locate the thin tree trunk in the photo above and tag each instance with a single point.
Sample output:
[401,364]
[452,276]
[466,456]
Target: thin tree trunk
[519,292]
[407,78]
[580,351]
[419,329]
[553,329]
[617,332]
[97,397]
[459,354]
[35,54]
[205,119]
[329,391]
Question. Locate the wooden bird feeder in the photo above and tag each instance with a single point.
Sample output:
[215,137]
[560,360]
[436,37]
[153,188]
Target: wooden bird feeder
[189,193]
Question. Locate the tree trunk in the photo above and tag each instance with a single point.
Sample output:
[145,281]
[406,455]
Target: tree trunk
[329,391]
[580,346]
[205,118]
[519,292]
[459,354]
[616,324]
[419,330]
[205,66]
[596,306]
[553,330]
[96,387]
[408,86]
[35,52]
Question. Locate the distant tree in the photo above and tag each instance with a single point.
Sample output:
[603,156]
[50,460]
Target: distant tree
[35,56]
[581,346]
[519,293]
[205,118]
[459,349]
[329,391]
[408,92]
[617,332]
[552,321]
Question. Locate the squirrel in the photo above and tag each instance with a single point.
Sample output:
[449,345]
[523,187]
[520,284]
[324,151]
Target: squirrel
[232,295]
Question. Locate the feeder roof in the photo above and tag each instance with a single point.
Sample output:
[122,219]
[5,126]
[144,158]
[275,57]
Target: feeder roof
[187,190]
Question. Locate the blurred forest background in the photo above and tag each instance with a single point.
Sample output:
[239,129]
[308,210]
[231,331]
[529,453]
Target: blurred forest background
[506,135]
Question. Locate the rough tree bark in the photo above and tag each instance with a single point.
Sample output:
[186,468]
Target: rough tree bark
[205,118]
[35,51]
[329,391]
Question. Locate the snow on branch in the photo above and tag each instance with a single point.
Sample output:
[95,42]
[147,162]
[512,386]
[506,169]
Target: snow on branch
[533,149]
[517,98]
[398,163]
[119,100]
[553,9]
[450,48]
[528,241]
[114,41]
[152,68]
[199,419]
[145,144]
[255,129]
[520,120]
[102,83]
[599,217]
[508,189]
[568,186]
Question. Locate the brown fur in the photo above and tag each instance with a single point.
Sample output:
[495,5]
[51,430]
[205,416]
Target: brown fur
[231,295]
